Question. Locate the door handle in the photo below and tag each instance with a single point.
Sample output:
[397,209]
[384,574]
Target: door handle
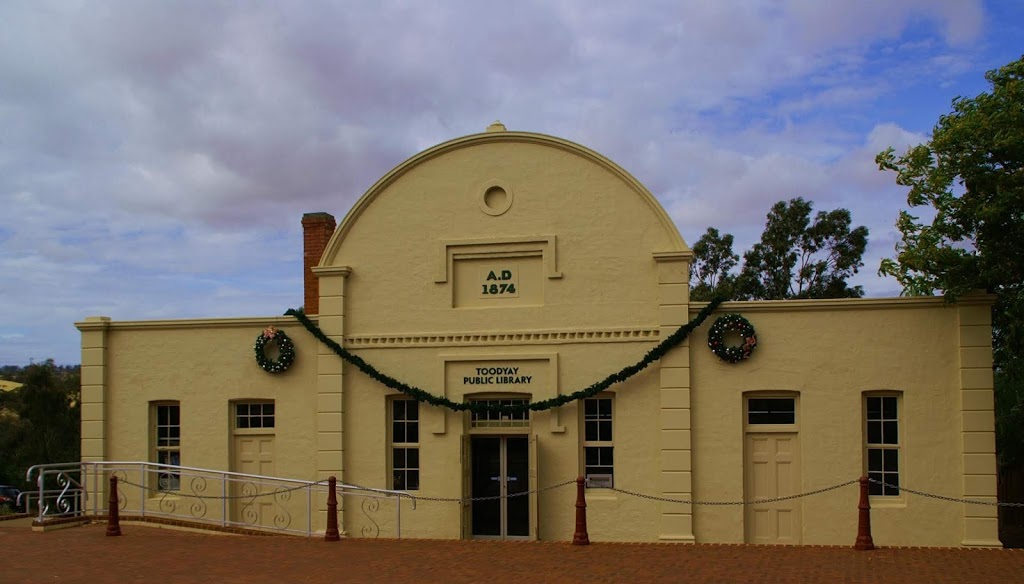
[495,478]
[513,478]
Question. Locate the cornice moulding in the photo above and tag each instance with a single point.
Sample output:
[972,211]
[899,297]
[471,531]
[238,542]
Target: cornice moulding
[903,302]
[668,256]
[322,271]
[494,338]
[191,323]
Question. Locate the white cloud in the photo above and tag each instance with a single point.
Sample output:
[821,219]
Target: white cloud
[156,157]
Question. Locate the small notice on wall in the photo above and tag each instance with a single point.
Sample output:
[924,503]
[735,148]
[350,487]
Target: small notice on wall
[499,281]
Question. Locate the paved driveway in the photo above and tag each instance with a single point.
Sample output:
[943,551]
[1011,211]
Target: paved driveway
[150,555]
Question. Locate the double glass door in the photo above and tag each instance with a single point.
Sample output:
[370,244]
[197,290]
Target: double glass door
[500,468]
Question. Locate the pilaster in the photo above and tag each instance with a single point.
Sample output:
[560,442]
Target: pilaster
[676,521]
[95,336]
[330,381]
[977,423]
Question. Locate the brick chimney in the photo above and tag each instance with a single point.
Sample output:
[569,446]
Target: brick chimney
[317,229]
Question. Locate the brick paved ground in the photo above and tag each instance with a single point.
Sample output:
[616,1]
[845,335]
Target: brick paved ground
[153,555]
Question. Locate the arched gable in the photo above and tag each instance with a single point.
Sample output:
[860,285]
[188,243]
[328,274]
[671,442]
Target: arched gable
[504,137]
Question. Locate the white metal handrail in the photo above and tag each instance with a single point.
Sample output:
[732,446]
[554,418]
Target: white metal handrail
[225,498]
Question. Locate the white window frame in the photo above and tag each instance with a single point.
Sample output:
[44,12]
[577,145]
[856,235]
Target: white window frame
[405,445]
[501,423]
[263,411]
[166,447]
[598,480]
[764,428]
[885,446]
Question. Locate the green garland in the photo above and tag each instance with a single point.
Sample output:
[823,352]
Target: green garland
[479,407]
[732,322]
[284,346]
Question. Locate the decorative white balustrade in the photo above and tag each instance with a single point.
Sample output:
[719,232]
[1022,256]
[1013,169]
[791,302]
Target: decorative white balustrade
[228,499]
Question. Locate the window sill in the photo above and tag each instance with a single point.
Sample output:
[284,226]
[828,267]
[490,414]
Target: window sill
[772,428]
[883,502]
[253,431]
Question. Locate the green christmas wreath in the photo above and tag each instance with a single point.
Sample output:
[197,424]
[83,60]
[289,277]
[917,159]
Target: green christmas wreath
[725,324]
[285,349]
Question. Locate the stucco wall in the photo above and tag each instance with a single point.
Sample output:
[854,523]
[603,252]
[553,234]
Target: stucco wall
[203,365]
[613,516]
[395,244]
[830,355]
[593,231]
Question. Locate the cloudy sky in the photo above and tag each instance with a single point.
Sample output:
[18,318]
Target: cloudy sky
[156,157]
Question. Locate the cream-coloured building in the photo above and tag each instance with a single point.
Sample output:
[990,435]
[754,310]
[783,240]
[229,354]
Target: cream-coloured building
[512,267]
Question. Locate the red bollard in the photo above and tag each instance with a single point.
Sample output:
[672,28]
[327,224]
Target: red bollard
[864,541]
[113,519]
[332,511]
[581,537]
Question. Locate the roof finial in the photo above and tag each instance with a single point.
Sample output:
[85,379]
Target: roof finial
[497,126]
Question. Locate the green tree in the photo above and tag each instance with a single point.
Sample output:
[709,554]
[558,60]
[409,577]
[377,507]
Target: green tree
[39,421]
[970,178]
[800,259]
[711,271]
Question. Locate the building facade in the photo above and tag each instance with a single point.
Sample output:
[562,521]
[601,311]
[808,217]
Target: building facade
[511,267]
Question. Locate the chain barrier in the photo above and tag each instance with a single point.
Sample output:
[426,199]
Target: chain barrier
[352,487]
[721,503]
[494,497]
[196,496]
[572,481]
[945,498]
